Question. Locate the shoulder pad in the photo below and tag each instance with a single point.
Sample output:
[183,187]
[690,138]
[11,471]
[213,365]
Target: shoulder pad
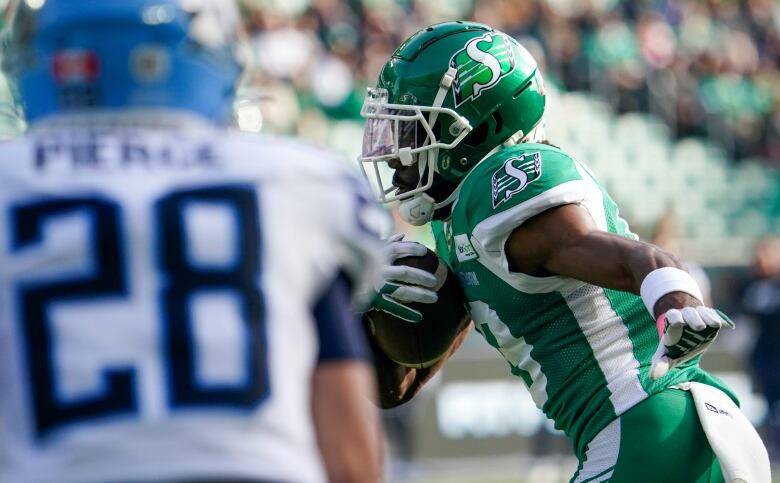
[514,177]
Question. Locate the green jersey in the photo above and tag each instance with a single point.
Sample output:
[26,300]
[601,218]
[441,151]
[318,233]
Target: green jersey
[583,351]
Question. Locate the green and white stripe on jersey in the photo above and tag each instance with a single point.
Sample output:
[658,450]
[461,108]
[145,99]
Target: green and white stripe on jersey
[598,463]
[515,350]
[612,347]
[584,351]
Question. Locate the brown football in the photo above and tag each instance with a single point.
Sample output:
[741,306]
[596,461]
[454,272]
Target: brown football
[421,344]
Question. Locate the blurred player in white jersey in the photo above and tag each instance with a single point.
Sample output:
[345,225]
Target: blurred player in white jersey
[174,298]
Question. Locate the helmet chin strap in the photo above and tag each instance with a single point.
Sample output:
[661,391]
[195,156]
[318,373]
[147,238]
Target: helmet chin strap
[418,210]
[444,87]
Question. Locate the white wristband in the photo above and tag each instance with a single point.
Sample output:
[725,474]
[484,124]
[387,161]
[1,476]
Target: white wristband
[662,281]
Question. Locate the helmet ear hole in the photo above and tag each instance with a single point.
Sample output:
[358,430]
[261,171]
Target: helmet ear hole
[477,136]
[499,122]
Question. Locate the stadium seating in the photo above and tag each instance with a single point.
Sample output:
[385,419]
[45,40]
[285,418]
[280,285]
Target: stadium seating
[647,173]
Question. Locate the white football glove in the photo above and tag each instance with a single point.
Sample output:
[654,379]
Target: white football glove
[403,284]
[685,334]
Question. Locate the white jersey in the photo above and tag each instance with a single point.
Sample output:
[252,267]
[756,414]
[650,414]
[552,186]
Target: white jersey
[156,293]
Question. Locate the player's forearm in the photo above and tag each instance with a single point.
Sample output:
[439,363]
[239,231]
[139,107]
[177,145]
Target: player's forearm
[610,261]
[675,300]
[393,381]
[348,431]
[678,292]
[624,265]
[566,241]
[643,258]
[636,260]
[397,384]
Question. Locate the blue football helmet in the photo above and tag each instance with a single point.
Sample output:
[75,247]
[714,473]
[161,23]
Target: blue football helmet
[75,56]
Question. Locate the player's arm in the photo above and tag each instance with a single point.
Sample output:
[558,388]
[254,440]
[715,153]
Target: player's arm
[348,431]
[347,427]
[565,241]
[397,384]
[402,285]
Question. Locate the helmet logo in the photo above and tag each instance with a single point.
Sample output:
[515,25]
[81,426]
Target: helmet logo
[407,98]
[481,63]
[76,67]
[513,177]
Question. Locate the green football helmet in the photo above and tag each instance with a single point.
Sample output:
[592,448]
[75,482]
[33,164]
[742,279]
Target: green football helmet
[450,95]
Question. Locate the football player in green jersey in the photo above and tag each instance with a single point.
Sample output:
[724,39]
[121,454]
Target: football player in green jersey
[605,330]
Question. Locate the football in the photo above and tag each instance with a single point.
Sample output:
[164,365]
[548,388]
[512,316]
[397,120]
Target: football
[420,345]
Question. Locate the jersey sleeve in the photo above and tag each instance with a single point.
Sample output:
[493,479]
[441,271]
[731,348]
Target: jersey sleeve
[324,200]
[346,224]
[361,233]
[338,327]
[511,187]
[345,228]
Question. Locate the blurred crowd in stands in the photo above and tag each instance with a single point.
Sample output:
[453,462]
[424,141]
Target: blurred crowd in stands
[707,67]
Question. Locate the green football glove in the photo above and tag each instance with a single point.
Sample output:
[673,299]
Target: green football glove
[685,333]
[402,284]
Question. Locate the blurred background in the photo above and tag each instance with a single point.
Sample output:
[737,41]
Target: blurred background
[675,104]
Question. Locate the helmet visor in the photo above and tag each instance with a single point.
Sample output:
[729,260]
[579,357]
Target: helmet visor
[406,133]
[384,137]
[390,130]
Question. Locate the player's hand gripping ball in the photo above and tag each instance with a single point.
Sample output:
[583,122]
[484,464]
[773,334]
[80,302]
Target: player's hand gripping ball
[421,308]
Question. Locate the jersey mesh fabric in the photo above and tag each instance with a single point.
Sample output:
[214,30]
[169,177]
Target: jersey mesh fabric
[584,351]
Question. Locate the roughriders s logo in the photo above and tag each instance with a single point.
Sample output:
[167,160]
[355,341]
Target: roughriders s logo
[515,175]
[480,65]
